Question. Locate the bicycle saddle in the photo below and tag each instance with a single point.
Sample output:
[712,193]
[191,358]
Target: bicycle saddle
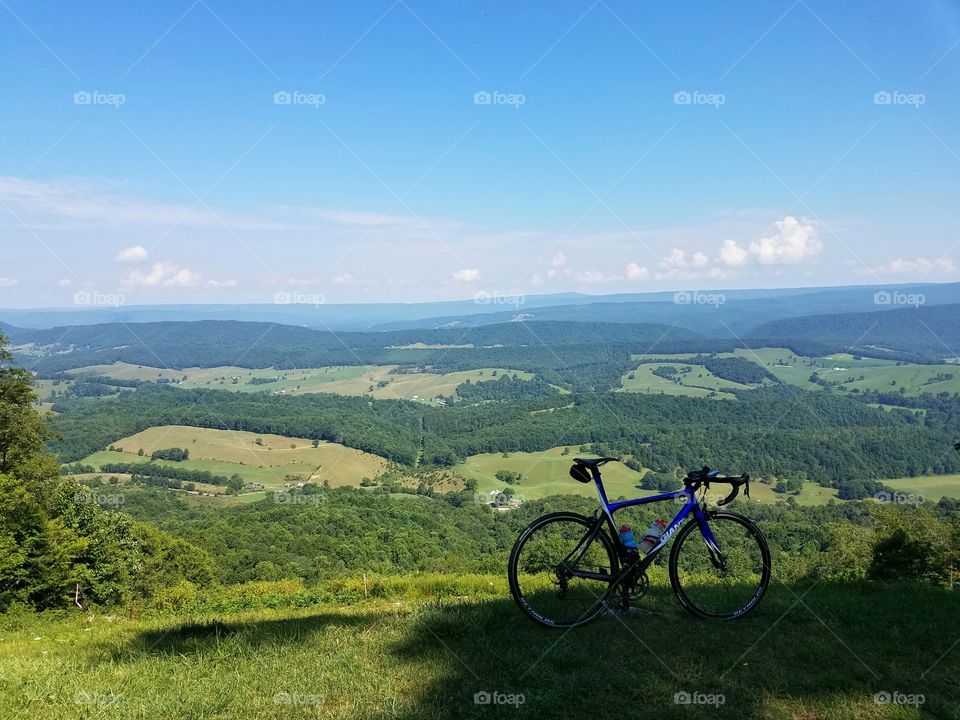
[594,462]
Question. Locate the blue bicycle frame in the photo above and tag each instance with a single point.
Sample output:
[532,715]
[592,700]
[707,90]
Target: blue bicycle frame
[691,505]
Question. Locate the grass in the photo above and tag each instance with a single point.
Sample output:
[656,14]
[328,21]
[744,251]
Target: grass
[811,494]
[341,380]
[792,369]
[225,452]
[403,656]
[547,473]
[931,487]
[699,382]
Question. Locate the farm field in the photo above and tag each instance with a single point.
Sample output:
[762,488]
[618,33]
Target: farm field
[877,374]
[547,473]
[377,381]
[930,487]
[225,452]
[699,382]
[811,494]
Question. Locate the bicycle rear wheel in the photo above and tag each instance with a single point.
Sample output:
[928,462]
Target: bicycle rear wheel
[544,566]
[722,586]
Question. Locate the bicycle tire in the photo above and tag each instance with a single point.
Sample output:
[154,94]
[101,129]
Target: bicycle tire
[512,570]
[682,594]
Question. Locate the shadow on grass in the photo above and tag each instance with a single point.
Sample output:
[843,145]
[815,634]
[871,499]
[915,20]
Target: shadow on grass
[196,637]
[823,654]
[824,651]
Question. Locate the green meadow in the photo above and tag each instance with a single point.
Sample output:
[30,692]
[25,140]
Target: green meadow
[441,647]
[377,381]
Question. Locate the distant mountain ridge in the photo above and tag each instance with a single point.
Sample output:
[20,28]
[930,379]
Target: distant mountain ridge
[716,313]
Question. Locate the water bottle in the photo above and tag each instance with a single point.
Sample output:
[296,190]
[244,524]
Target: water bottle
[628,540]
[652,537]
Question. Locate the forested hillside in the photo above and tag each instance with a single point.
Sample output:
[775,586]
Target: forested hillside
[924,332]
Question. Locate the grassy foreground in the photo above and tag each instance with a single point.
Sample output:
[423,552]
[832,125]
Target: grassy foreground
[439,647]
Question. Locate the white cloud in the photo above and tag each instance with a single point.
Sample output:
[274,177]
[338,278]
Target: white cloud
[536,280]
[162,274]
[793,241]
[732,255]
[134,254]
[467,275]
[344,279]
[221,283]
[8,282]
[591,277]
[676,265]
[902,266]
[699,260]
[557,264]
[636,272]
[65,282]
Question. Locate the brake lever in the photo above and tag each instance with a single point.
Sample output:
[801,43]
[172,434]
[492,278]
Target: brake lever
[731,497]
[744,480]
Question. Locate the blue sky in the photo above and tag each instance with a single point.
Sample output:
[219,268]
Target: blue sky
[224,152]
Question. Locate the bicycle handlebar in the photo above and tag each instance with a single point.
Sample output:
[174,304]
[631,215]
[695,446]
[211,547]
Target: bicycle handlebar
[705,476]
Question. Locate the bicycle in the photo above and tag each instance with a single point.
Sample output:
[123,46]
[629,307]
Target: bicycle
[565,568]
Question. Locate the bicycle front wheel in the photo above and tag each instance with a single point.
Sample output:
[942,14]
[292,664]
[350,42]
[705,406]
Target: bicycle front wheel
[723,582]
[560,569]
